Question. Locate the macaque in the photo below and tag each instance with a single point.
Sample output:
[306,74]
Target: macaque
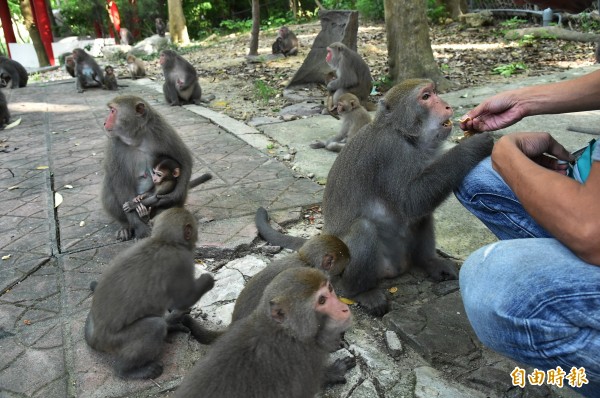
[87,72]
[286,42]
[136,67]
[383,188]
[128,318]
[352,74]
[110,79]
[4,113]
[354,116]
[126,37]
[181,80]
[137,136]
[160,27]
[281,348]
[12,72]
[70,65]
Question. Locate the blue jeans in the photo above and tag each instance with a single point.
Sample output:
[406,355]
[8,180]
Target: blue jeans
[532,300]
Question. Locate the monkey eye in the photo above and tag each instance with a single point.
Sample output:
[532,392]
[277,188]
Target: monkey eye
[322,300]
[425,96]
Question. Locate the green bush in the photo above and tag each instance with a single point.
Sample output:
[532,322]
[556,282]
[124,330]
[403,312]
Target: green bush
[372,10]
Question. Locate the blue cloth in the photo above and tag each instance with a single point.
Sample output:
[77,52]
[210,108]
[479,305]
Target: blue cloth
[532,300]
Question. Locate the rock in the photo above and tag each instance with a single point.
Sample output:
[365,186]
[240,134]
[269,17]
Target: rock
[393,343]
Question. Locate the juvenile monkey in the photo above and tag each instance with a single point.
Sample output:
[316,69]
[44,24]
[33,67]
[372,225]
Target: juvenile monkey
[181,80]
[87,72]
[126,37]
[160,27]
[380,202]
[354,116]
[110,79]
[286,42]
[352,74]
[127,318]
[165,174]
[70,65]
[138,135]
[12,72]
[4,113]
[281,348]
[136,67]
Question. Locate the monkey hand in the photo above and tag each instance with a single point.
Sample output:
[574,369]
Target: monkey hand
[336,372]
[129,206]
[480,145]
[142,210]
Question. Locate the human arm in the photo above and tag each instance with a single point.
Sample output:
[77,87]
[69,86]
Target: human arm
[567,209]
[506,108]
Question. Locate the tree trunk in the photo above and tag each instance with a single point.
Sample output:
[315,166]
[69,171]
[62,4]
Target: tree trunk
[409,48]
[255,28]
[294,8]
[177,26]
[27,14]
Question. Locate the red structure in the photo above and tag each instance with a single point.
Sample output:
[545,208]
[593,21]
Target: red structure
[115,18]
[9,34]
[42,21]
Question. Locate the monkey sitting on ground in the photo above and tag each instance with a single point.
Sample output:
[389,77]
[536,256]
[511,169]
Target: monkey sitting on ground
[281,348]
[126,37]
[4,113]
[127,317]
[354,117]
[70,65]
[110,79]
[383,188]
[13,73]
[164,177]
[87,72]
[181,80]
[136,67]
[352,75]
[160,27]
[137,136]
[286,42]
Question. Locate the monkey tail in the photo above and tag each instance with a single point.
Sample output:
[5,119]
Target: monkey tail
[199,332]
[272,236]
[197,181]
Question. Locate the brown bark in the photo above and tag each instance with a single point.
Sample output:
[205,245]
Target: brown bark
[34,33]
[456,8]
[409,48]
[177,26]
[255,28]
[552,32]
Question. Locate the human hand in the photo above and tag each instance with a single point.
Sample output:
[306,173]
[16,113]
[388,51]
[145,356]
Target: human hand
[497,112]
[536,145]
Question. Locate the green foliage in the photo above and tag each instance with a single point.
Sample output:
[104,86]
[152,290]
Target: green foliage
[236,25]
[263,91]
[513,23]
[588,24]
[371,9]
[510,69]
[339,4]
[436,11]
[527,41]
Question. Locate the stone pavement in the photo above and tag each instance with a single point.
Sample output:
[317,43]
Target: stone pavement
[51,252]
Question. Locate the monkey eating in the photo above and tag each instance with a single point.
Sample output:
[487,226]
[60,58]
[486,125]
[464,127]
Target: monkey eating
[137,136]
[136,67]
[281,348]
[354,116]
[165,173]
[87,72]
[181,80]
[127,317]
[383,188]
[352,74]
[286,42]
[13,73]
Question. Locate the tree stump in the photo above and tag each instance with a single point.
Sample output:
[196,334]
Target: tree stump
[335,26]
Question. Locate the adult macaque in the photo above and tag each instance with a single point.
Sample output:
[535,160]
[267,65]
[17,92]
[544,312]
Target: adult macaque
[354,116]
[4,113]
[70,65]
[286,42]
[12,72]
[165,174]
[87,72]
[137,136]
[126,37]
[136,67]
[380,201]
[281,348]
[110,79]
[160,27]
[352,74]
[181,80]
[324,252]
[127,318]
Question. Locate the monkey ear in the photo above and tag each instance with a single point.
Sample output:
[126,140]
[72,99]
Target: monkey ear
[176,172]
[327,262]
[277,311]
[187,231]
[140,108]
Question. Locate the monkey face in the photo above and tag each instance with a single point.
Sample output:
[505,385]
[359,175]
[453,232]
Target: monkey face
[110,121]
[158,175]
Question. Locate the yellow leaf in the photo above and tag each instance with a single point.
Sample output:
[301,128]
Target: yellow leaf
[13,124]
[347,301]
[41,167]
[393,289]
[58,199]
[220,104]
[13,187]
[81,224]
[69,186]
[6,257]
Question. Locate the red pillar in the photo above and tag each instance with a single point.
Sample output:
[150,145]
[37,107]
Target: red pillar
[135,29]
[42,21]
[113,13]
[9,34]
